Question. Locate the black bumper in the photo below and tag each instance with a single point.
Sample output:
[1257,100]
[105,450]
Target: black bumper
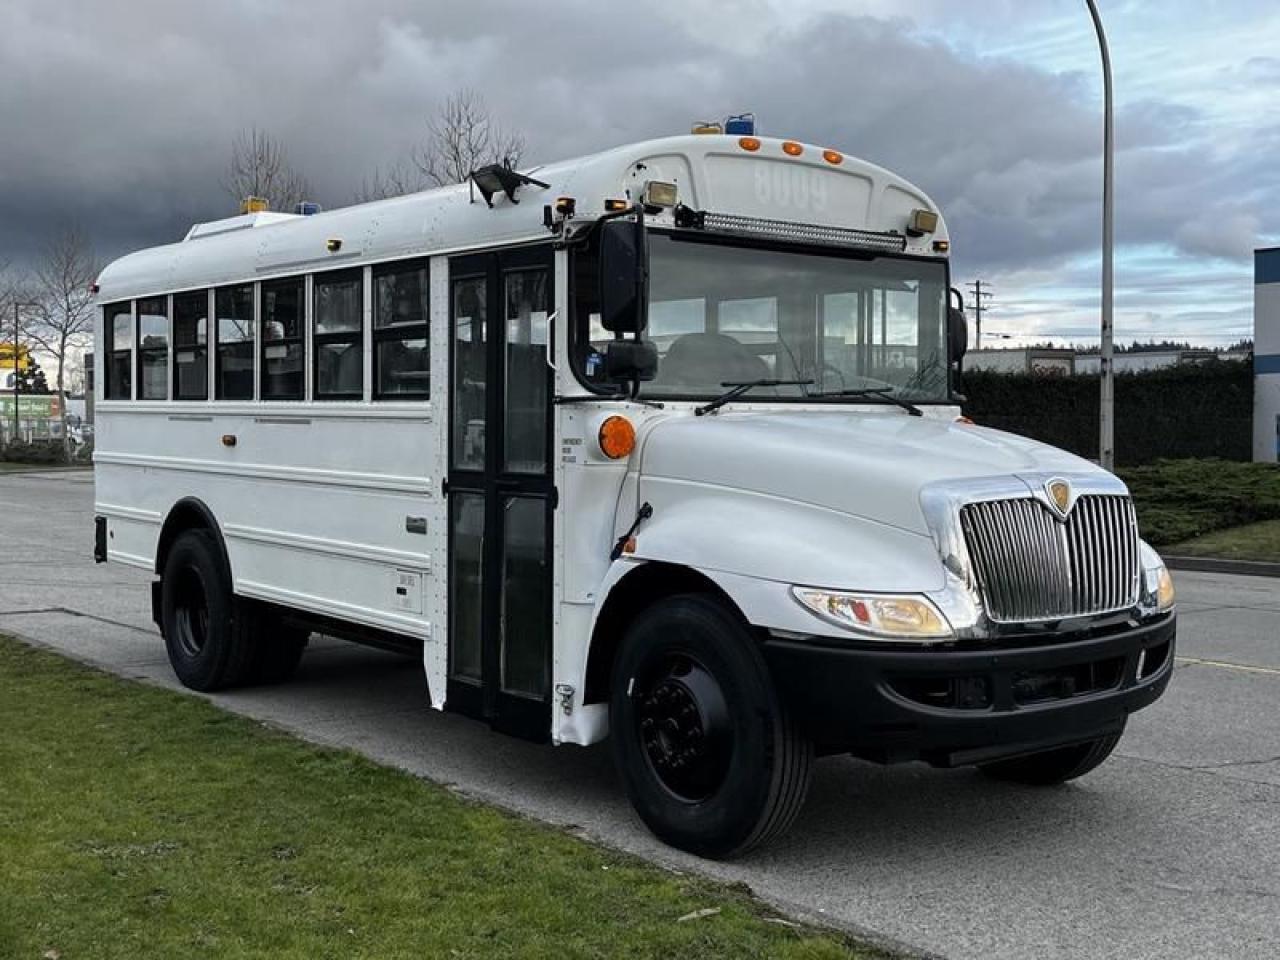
[960,706]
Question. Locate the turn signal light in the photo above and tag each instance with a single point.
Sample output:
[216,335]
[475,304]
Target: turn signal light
[751,144]
[617,437]
[791,148]
[614,205]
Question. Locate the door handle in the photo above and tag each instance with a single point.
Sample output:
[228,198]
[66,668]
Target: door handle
[551,340]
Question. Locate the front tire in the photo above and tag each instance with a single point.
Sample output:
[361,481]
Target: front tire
[711,761]
[1052,767]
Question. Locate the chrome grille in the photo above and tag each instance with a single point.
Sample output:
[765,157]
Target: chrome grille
[1032,566]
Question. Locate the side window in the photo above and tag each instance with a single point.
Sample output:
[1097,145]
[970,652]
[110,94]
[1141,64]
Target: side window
[153,348]
[234,308]
[401,345]
[191,345]
[338,335]
[282,348]
[118,333]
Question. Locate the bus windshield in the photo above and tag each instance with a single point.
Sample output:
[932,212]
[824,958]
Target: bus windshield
[731,314]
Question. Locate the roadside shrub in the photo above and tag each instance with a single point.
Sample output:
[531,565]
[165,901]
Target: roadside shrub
[1180,499]
[1194,410]
[37,452]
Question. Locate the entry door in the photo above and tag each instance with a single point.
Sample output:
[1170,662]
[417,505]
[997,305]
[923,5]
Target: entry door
[500,490]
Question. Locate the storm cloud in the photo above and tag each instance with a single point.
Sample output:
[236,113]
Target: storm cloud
[121,116]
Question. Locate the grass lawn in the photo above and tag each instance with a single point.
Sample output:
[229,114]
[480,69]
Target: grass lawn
[137,822]
[1255,541]
[14,466]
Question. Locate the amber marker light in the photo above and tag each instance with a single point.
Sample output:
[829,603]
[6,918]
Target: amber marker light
[832,157]
[791,148]
[750,144]
[617,437]
[965,421]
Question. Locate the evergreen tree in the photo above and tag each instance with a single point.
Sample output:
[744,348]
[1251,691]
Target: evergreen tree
[32,379]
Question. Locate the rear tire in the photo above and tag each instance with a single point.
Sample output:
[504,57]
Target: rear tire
[1052,767]
[207,635]
[711,761]
[277,649]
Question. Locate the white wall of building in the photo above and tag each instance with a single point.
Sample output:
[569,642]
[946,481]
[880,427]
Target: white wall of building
[1266,355]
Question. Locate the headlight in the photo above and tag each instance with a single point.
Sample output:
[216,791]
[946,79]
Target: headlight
[1157,584]
[878,615]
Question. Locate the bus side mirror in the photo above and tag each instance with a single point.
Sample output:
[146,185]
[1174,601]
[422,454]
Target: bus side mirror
[626,361]
[957,334]
[623,276]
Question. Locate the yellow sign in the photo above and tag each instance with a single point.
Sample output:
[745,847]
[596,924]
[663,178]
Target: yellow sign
[6,357]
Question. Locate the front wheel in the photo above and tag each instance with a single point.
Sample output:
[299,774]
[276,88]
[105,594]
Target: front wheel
[1051,767]
[711,760]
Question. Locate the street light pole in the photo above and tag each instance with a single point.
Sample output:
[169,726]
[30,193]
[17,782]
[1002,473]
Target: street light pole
[1106,439]
[17,308]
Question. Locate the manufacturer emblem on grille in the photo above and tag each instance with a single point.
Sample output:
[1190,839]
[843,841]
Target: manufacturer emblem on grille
[1059,491]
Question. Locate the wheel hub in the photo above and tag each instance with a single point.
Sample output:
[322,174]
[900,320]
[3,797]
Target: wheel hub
[192,614]
[684,730]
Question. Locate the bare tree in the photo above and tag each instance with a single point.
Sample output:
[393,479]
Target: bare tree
[463,136]
[260,167]
[63,286]
[395,180]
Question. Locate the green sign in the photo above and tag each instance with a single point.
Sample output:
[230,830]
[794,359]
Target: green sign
[31,406]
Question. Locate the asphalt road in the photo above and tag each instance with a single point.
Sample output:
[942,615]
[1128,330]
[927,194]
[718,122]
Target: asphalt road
[1171,849]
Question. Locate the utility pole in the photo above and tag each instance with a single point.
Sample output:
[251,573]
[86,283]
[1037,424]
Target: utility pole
[17,313]
[1106,438]
[981,291]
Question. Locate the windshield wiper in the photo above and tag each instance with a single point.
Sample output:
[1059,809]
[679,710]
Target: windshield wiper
[884,393]
[738,388]
[592,397]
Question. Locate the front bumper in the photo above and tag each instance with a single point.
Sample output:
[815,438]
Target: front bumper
[952,707]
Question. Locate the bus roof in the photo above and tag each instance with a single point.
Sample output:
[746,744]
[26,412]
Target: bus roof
[711,172]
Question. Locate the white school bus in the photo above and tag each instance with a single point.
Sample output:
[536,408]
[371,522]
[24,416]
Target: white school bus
[660,444]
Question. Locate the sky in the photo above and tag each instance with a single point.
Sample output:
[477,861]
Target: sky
[121,118]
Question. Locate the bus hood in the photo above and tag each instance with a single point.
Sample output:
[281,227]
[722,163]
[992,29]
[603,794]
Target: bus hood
[871,465]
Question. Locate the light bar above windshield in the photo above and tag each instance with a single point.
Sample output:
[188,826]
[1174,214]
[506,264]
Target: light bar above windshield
[889,242]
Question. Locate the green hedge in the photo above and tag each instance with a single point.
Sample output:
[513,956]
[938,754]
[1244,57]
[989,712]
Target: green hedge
[1180,499]
[37,451]
[1201,410]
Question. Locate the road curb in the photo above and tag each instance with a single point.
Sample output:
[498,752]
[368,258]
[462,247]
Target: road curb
[1248,568]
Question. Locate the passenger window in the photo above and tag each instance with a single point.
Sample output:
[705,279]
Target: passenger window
[117,373]
[338,335]
[153,348]
[401,342]
[234,306]
[191,345]
[282,348]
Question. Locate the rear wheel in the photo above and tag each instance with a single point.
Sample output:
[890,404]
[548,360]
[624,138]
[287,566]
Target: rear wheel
[710,759]
[1051,767]
[208,642]
[277,649]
